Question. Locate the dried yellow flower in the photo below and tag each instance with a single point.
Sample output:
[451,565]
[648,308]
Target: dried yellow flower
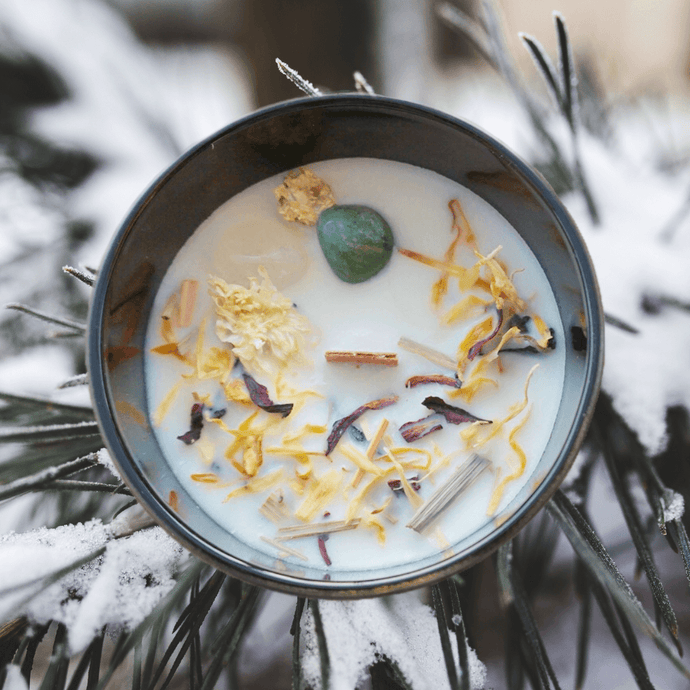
[302,196]
[263,327]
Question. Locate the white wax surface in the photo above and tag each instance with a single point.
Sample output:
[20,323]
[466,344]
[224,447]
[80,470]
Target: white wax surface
[247,232]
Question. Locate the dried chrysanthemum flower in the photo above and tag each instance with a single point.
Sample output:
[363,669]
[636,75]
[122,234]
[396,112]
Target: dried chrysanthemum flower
[262,325]
[302,196]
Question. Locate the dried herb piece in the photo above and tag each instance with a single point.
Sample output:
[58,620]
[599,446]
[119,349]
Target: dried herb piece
[477,347]
[196,425]
[322,548]
[188,295]
[397,486]
[302,197]
[274,507]
[385,359]
[260,397]
[204,477]
[318,528]
[453,487]
[413,431]
[452,414]
[441,379]
[283,548]
[428,353]
[341,426]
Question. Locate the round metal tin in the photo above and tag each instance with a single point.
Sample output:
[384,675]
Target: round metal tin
[275,140]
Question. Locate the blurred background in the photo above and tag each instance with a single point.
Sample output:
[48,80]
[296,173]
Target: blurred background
[402,46]
[97,98]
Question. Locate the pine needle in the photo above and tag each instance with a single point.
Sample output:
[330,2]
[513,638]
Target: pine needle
[362,85]
[78,380]
[42,316]
[49,432]
[597,560]
[84,276]
[299,81]
[44,479]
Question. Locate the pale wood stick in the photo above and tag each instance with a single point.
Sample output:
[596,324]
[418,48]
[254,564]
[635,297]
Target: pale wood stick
[283,548]
[454,486]
[299,531]
[428,353]
[385,359]
[188,295]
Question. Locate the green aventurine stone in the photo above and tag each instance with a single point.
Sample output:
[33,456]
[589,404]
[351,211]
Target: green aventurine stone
[356,241]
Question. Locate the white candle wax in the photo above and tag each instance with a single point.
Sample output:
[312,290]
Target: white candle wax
[246,233]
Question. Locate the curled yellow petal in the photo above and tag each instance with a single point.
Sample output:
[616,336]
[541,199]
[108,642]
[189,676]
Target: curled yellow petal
[319,493]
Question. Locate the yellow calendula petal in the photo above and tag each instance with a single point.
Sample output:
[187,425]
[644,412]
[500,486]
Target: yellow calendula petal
[206,449]
[305,469]
[414,498]
[516,472]
[355,504]
[516,409]
[501,286]
[214,363]
[252,457]
[165,405]
[204,477]
[320,492]
[294,437]
[258,484]
[360,459]
[543,330]
[471,279]
[370,520]
[421,459]
[236,391]
[467,307]
[476,333]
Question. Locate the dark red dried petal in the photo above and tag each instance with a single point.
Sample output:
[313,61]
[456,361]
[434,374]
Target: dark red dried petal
[413,431]
[477,347]
[441,379]
[260,397]
[196,425]
[397,487]
[453,415]
[323,552]
[342,425]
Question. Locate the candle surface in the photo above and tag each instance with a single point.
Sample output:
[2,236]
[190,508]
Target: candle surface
[280,459]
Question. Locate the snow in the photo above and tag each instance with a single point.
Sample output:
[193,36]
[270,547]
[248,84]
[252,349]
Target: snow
[674,507]
[645,373]
[401,628]
[14,679]
[119,588]
[36,371]
[104,458]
